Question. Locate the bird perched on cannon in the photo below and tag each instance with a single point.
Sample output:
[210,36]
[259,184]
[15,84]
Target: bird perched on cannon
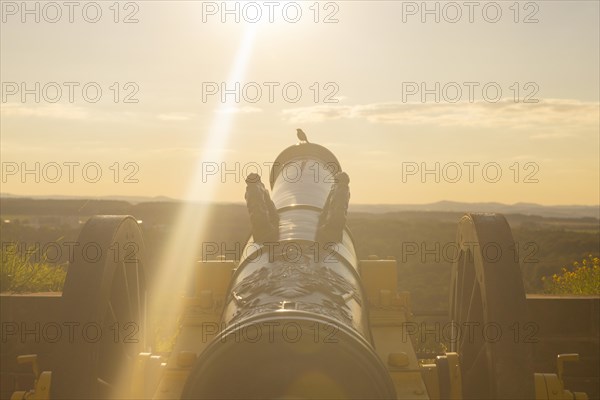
[301,135]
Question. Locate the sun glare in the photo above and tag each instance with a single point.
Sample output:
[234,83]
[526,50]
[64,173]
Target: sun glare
[179,257]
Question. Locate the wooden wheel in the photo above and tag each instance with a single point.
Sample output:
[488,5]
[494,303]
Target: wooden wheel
[488,310]
[104,300]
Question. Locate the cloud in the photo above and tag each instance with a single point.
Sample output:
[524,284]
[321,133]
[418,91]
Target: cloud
[553,135]
[193,151]
[66,112]
[58,111]
[554,113]
[377,153]
[175,116]
[238,110]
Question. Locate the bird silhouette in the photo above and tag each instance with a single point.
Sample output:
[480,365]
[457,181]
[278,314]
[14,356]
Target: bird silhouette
[301,135]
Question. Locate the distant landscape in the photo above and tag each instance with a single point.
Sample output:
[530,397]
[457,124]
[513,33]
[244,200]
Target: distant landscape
[548,237]
[562,211]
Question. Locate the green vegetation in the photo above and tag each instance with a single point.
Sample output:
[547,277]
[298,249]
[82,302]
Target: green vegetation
[420,241]
[583,279]
[18,274]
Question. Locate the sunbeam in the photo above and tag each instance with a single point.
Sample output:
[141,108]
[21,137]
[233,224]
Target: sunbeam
[179,257]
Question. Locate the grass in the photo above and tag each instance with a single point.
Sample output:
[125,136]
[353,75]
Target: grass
[18,274]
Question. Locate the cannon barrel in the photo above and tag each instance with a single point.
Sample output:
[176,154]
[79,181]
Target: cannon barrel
[295,318]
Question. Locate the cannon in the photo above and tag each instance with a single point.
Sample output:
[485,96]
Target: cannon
[298,315]
[296,296]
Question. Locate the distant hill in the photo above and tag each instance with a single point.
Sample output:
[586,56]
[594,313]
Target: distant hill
[571,211]
[559,211]
[129,199]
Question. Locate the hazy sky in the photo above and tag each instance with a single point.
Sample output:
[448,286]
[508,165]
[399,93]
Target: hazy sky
[373,58]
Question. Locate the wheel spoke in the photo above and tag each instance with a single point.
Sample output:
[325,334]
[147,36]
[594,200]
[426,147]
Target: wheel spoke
[477,378]
[112,311]
[137,290]
[467,269]
[461,272]
[104,384]
[475,286]
[127,292]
